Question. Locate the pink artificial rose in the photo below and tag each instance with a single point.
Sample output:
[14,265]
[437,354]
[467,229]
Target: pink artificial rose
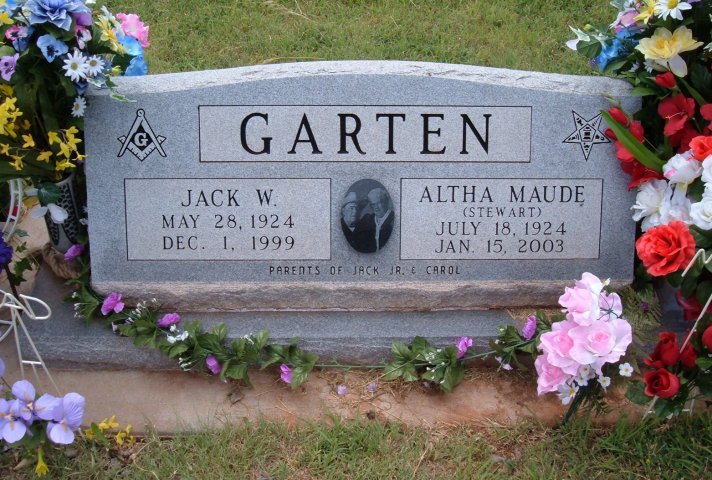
[611,306]
[132,26]
[556,345]
[580,304]
[600,343]
[549,376]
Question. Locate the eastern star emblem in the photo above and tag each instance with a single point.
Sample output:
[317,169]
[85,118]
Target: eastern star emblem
[141,141]
[587,133]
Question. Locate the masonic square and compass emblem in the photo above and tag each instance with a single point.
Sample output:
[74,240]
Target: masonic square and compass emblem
[141,141]
[587,133]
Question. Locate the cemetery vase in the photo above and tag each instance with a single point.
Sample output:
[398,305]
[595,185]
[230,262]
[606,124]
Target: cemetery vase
[64,235]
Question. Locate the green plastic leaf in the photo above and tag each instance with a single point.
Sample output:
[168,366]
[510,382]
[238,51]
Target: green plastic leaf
[704,362]
[636,393]
[453,376]
[48,193]
[637,149]
[642,92]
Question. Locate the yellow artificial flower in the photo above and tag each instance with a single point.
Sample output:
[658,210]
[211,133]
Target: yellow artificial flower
[647,10]
[665,47]
[89,433]
[6,90]
[41,468]
[125,436]
[44,156]
[108,35]
[64,150]
[63,165]
[26,124]
[53,138]
[5,18]
[29,141]
[4,148]
[17,164]
[108,423]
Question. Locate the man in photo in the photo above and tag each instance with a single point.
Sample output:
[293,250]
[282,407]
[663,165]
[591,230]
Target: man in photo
[374,229]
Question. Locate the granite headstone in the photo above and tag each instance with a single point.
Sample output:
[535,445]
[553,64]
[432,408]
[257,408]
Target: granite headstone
[355,186]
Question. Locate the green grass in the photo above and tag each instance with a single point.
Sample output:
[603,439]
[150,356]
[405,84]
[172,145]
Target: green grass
[520,34]
[364,449]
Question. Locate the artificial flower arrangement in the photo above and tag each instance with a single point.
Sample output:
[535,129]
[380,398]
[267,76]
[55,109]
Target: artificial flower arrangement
[664,49]
[51,51]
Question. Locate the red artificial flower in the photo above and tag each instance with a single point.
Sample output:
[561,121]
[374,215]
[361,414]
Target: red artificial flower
[682,138]
[701,147]
[691,308]
[666,353]
[619,116]
[636,129]
[665,249]
[706,112]
[661,383]
[638,172]
[688,357]
[666,80]
[676,110]
[707,338]
[610,134]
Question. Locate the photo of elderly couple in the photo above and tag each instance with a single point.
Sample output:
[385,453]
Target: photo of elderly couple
[367,216]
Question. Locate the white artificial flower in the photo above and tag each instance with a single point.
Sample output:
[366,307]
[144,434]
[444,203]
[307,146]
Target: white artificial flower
[94,65]
[75,66]
[707,170]
[682,168]
[648,201]
[672,8]
[171,339]
[79,106]
[675,206]
[604,381]
[57,213]
[625,370]
[567,393]
[701,212]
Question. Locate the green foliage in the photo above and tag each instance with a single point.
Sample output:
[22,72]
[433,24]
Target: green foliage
[422,361]
[301,362]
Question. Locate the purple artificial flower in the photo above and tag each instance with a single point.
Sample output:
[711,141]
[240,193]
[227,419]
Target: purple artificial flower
[112,302]
[19,35]
[7,66]
[2,368]
[372,387]
[168,320]
[51,47]
[342,390]
[66,419]
[83,18]
[73,252]
[56,12]
[213,365]
[529,328]
[286,374]
[43,407]
[5,252]
[462,345]
[12,428]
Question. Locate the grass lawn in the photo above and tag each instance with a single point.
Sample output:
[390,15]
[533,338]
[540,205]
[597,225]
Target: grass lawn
[521,34]
[365,449]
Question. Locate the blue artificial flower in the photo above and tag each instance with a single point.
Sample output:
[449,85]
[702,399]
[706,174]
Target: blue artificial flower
[620,47]
[20,36]
[51,47]
[131,46]
[137,67]
[9,6]
[81,87]
[5,252]
[56,12]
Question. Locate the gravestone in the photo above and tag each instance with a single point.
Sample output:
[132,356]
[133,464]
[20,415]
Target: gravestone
[406,196]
